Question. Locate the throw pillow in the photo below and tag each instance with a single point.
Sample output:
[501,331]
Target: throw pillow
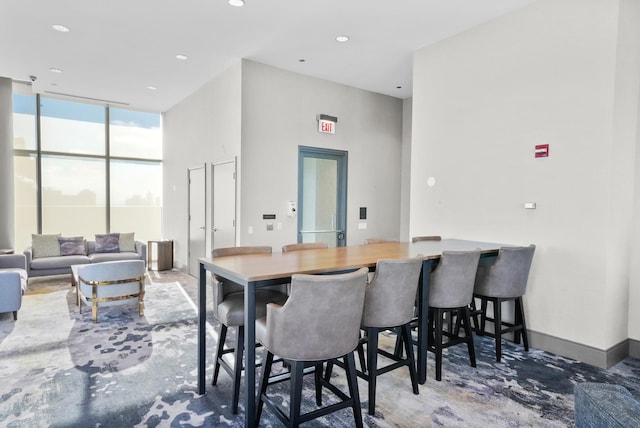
[45,245]
[108,243]
[73,246]
[127,242]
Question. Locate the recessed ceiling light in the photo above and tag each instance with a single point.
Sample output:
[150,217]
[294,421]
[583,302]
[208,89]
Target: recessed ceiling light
[152,88]
[182,57]
[342,38]
[55,70]
[236,3]
[60,28]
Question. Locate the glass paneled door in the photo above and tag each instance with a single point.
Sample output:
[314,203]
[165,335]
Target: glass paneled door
[322,196]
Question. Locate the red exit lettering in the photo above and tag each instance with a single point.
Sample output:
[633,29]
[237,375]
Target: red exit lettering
[326,127]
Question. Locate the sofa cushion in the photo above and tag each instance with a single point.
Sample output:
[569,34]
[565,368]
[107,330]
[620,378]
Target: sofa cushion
[112,257]
[108,243]
[45,245]
[58,262]
[127,242]
[73,246]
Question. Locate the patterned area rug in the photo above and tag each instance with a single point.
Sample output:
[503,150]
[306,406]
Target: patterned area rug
[59,369]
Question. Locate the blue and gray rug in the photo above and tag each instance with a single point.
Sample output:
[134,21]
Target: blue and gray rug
[59,369]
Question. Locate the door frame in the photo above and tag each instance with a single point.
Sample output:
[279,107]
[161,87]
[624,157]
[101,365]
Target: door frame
[342,157]
[204,231]
[233,161]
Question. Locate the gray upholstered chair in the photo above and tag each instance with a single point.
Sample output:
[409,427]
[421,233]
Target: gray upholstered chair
[13,282]
[304,246]
[319,322]
[450,293]
[228,308]
[110,284]
[426,238]
[388,303]
[504,280]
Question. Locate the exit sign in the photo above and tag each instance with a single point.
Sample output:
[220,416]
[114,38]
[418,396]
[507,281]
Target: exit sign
[326,126]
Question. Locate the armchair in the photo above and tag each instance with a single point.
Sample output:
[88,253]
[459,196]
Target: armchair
[13,282]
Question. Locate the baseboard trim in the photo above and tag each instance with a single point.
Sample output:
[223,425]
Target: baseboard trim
[634,348]
[587,354]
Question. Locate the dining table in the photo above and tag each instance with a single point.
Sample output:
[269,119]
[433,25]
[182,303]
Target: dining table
[253,271]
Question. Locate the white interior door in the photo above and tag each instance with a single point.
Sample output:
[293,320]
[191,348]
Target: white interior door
[197,217]
[223,230]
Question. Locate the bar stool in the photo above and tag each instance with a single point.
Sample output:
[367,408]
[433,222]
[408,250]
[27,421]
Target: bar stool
[228,307]
[451,292]
[389,301]
[319,322]
[504,280]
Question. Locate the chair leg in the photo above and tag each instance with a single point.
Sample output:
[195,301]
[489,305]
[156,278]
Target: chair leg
[406,332]
[372,365]
[221,338]
[295,397]
[497,327]
[237,369]
[360,349]
[397,351]
[352,381]
[15,315]
[520,311]
[264,382]
[438,342]
[317,376]
[474,316]
[467,331]
[483,315]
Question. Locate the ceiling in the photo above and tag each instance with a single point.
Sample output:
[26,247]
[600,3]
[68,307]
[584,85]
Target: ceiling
[115,50]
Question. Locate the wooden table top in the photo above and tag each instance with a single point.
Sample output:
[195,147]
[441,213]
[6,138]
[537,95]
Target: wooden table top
[259,267]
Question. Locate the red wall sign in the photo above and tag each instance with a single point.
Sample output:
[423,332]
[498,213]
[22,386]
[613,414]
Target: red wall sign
[542,151]
[326,126]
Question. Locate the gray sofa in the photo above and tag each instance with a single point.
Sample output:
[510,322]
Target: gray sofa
[601,405]
[59,265]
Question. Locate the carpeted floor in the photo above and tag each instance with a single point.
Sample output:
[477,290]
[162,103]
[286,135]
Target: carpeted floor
[59,369]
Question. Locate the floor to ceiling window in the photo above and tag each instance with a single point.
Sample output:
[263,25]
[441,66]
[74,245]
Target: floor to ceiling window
[82,169]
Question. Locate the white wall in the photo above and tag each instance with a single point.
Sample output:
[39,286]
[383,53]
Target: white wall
[482,101]
[279,111]
[405,170]
[203,128]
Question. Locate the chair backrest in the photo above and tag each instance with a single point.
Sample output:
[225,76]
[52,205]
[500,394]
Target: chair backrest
[390,295]
[508,276]
[320,320]
[223,287]
[426,238]
[123,277]
[453,279]
[376,241]
[112,271]
[304,246]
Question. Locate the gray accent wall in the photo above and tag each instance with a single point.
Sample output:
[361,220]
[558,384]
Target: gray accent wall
[279,111]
